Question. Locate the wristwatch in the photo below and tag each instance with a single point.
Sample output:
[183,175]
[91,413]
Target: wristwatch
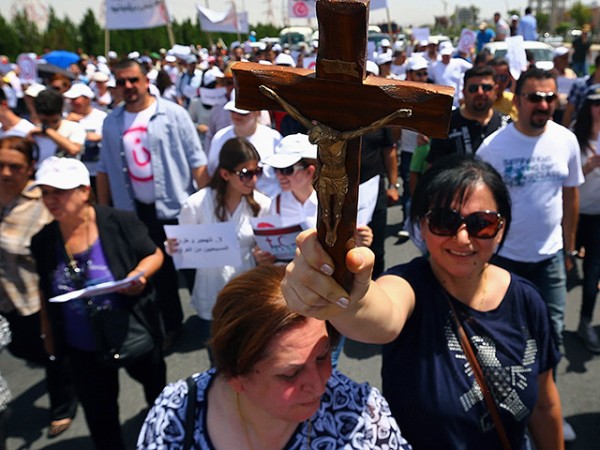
[572,253]
[394,186]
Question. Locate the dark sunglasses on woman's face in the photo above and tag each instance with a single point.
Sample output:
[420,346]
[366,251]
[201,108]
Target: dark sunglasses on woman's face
[537,97]
[287,171]
[480,224]
[247,174]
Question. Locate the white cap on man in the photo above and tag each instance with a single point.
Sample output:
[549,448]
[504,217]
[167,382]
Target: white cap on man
[79,90]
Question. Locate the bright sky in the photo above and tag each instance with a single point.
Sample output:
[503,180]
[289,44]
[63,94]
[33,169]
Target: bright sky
[419,12]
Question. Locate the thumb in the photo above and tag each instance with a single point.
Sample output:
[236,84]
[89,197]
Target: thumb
[360,262]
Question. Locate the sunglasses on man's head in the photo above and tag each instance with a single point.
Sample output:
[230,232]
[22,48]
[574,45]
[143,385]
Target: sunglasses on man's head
[247,174]
[537,97]
[473,88]
[122,81]
[480,224]
[287,171]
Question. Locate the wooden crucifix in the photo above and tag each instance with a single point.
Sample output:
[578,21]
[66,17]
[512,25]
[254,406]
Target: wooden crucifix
[338,105]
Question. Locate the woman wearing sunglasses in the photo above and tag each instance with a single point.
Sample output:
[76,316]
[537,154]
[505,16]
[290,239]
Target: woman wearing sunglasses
[587,130]
[421,309]
[229,196]
[87,245]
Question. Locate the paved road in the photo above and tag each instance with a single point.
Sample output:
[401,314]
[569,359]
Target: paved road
[578,378]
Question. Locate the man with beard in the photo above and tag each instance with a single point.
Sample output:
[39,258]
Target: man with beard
[151,156]
[540,164]
[474,120]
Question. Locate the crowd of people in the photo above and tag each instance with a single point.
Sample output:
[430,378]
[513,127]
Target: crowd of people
[96,160]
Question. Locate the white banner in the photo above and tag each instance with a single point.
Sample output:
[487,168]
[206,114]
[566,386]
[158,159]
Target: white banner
[378,4]
[226,22]
[136,14]
[302,9]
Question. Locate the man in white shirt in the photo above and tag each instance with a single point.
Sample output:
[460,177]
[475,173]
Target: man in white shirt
[450,71]
[91,119]
[55,136]
[539,161]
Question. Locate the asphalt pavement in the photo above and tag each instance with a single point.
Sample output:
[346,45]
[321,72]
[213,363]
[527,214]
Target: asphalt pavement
[578,376]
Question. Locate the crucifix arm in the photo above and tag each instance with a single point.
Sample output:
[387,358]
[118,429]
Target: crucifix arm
[353,134]
[290,109]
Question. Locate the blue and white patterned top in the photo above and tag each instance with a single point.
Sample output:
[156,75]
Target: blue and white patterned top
[351,416]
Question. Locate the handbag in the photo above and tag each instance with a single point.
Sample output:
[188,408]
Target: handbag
[480,377]
[121,336]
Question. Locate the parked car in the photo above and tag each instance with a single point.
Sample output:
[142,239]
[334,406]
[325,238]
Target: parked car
[542,53]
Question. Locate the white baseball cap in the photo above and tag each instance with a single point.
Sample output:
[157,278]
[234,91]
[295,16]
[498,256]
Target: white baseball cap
[283,59]
[290,150]
[372,68]
[416,62]
[230,106]
[79,90]
[34,89]
[61,173]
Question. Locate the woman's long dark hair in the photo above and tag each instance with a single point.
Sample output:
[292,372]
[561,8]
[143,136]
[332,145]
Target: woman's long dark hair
[233,153]
[583,126]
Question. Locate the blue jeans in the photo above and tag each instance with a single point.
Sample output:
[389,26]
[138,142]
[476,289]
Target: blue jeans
[550,277]
[580,68]
[589,235]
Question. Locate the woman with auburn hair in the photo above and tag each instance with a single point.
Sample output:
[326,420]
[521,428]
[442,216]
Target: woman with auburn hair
[272,385]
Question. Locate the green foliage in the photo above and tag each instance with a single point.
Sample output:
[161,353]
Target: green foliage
[19,35]
[562,28]
[581,14]
[543,22]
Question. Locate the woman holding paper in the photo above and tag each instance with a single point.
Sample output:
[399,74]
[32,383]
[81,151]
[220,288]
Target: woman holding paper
[229,197]
[86,245]
[295,164]
[587,130]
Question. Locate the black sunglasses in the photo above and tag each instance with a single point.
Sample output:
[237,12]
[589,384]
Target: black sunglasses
[537,97]
[289,170]
[473,88]
[501,77]
[122,81]
[480,224]
[247,175]
[420,73]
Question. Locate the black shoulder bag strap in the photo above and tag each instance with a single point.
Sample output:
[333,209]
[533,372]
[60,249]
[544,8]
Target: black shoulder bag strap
[190,413]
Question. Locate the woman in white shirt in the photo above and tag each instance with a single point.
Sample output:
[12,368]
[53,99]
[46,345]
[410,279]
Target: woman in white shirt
[230,196]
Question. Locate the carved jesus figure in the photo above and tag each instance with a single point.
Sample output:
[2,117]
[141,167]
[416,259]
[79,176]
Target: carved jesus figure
[331,182]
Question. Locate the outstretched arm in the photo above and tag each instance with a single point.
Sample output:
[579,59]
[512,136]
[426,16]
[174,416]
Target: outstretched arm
[353,134]
[290,109]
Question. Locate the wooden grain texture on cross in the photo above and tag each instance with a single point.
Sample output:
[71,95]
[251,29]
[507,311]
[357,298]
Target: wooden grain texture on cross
[338,97]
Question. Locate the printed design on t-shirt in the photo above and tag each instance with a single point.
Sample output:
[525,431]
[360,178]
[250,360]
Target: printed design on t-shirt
[519,172]
[505,382]
[138,156]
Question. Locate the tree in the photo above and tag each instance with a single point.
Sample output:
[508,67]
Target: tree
[543,21]
[9,44]
[581,14]
[91,34]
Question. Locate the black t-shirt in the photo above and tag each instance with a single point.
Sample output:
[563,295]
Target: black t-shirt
[464,135]
[580,49]
[372,154]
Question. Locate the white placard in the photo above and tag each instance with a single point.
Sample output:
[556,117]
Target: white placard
[273,238]
[205,245]
[515,54]
[98,289]
[27,67]
[367,199]
[136,14]
[420,34]
[564,84]
[467,40]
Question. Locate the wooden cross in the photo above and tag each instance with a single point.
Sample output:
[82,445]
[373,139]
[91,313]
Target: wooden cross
[337,104]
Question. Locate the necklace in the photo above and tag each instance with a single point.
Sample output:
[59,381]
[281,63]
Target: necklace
[75,273]
[246,426]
